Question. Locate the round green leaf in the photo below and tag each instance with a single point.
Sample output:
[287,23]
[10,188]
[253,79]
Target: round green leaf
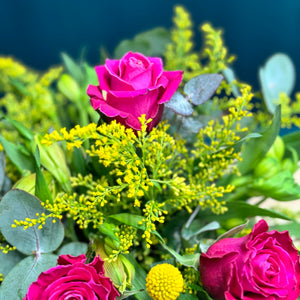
[200,88]
[19,205]
[276,76]
[74,248]
[9,260]
[17,282]
[180,105]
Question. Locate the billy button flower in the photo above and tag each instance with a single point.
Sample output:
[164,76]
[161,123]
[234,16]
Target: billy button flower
[164,282]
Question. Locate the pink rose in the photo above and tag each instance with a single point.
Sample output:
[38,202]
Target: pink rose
[132,86]
[73,279]
[261,265]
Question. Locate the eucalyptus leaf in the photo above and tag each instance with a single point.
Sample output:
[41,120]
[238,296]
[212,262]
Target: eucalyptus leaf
[276,76]
[18,280]
[200,88]
[19,205]
[73,248]
[180,105]
[230,78]
[255,149]
[9,260]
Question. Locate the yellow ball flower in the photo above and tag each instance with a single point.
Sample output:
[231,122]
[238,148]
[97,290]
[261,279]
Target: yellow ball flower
[164,282]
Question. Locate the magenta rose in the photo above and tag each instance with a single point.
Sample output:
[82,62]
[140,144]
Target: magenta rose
[133,86]
[73,279]
[261,265]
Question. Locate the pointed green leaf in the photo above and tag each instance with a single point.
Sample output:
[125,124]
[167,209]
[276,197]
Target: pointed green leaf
[188,260]
[195,229]
[232,232]
[256,149]
[41,187]
[19,205]
[17,282]
[18,155]
[24,131]
[73,68]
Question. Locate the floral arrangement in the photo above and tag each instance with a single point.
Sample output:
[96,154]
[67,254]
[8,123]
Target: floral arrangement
[145,177]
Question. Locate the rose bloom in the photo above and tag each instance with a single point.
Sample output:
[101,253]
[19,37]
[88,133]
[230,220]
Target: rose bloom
[133,86]
[73,279]
[261,265]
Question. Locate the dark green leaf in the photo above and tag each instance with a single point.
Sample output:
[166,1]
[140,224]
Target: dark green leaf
[17,282]
[200,88]
[256,149]
[180,105]
[19,205]
[41,187]
[18,155]
[139,280]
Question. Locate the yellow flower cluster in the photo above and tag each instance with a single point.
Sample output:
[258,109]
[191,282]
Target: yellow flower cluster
[179,55]
[215,51]
[5,249]
[164,282]
[40,220]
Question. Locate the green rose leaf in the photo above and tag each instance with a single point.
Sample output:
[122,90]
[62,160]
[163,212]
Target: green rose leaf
[281,186]
[18,280]
[276,76]
[200,88]
[19,205]
[180,105]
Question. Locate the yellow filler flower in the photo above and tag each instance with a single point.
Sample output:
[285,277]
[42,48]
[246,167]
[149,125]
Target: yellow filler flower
[164,282]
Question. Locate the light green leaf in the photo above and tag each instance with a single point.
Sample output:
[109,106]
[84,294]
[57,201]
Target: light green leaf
[17,282]
[24,131]
[19,205]
[18,155]
[232,232]
[196,229]
[255,149]
[188,260]
[276,76]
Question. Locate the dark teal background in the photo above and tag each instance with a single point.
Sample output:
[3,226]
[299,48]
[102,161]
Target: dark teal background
[36,31]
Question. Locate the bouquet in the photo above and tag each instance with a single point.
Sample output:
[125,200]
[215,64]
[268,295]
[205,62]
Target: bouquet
[145,177]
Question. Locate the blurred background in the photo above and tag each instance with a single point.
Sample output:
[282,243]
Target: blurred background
[36,32]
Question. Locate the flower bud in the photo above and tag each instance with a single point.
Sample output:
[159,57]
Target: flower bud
[277,149]
[68,87]
[120,270]
[267,168]
[53,159]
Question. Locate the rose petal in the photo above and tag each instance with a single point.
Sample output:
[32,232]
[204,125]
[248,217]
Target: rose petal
[70,259]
